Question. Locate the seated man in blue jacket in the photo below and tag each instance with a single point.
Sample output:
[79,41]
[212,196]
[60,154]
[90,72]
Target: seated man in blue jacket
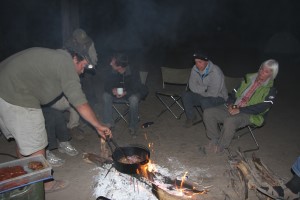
[121,75]
[247,105]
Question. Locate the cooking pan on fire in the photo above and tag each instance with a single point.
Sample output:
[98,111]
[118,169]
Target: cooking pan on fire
[129,159]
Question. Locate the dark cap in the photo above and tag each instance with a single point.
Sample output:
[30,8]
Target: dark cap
[121,59]
[200,55]
[82,44]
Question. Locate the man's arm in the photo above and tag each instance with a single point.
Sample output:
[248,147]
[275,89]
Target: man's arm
[88,114]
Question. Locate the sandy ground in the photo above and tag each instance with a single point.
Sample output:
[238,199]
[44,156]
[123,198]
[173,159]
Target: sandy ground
[177,148]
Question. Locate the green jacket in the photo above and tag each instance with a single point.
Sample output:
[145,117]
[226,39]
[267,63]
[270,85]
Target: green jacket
[261,100]
[36,76]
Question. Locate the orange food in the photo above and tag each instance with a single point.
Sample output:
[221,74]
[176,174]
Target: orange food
[35,165]
[11,172]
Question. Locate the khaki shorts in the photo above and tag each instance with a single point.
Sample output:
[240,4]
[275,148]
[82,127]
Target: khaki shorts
[26,125]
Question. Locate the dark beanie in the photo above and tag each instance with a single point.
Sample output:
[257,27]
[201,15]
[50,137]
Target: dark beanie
[200,55]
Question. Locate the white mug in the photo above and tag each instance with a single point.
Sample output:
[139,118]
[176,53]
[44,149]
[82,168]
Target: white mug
[120,91]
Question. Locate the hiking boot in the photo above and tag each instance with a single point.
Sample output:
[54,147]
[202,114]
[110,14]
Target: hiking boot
[53,160]
[273,192]
[77,133]
[66,147]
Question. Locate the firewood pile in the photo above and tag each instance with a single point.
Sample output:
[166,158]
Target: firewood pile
[252,173]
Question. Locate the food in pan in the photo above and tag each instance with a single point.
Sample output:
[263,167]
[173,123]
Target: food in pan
[131,159]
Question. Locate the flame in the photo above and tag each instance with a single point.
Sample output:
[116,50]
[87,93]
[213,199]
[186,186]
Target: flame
[181,189]
[147,169]
[151,166]
[188,192]
[183,178]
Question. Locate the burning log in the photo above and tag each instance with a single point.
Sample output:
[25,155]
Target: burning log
[187,191]
[162,194]
[176,190]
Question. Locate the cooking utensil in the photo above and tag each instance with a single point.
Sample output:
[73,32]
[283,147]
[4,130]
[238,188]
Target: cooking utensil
[116,145]
[131,150]
[102,198]
[124,152]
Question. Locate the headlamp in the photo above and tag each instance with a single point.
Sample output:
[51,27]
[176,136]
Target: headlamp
[89,66]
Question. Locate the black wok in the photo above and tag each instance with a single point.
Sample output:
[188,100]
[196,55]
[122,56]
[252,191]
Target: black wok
[131,150]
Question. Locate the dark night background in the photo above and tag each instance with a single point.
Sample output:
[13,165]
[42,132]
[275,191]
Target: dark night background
[235,33]
[238,36]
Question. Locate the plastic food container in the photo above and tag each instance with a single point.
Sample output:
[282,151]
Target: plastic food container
[30,177]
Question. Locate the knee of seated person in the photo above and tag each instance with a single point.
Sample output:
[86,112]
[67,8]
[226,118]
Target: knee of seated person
[185,95]
[229,121]
[134,99]
[209,113]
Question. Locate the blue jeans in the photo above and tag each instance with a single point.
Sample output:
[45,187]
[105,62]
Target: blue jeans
[133,101]
[296,166]
[191,99]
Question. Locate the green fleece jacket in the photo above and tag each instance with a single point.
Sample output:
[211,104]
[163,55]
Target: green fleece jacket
[261,100]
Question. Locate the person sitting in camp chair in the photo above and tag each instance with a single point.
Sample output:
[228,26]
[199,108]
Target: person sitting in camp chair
[248,105]
[122,76]
[206,87]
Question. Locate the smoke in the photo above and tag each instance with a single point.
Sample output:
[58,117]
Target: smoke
[148,25]
[29,23]
[133,24]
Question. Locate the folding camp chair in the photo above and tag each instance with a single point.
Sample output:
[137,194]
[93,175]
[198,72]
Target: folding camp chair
[232,82]
[122,106]
[250,129]
[246,130]
[174,82]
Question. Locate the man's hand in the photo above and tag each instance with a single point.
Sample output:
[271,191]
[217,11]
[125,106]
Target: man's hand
[104,132]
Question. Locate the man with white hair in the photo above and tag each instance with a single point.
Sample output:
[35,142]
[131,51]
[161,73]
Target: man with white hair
[247,105]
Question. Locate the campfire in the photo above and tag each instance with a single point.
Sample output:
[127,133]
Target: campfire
[163,183]
[144,180]
[150,182]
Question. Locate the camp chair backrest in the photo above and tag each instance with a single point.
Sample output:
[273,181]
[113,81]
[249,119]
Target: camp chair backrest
[175,76]
[143,76]
[232,82]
